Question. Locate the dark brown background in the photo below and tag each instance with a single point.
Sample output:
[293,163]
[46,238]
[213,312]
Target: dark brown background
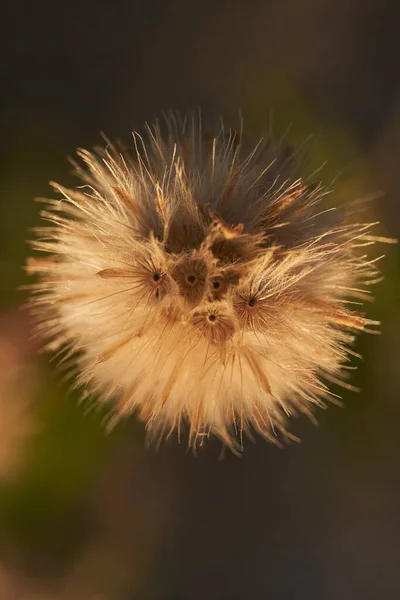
[89,517]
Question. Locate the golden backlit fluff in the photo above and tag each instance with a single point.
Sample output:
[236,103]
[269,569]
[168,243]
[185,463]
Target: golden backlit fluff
[199,282]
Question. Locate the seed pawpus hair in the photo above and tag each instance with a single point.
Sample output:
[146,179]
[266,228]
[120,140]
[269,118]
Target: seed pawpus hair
[196,281]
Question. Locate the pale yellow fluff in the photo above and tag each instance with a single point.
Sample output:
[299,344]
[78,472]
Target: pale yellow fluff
[200,285]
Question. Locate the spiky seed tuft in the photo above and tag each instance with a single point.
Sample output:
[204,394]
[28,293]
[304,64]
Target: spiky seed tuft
[199,282]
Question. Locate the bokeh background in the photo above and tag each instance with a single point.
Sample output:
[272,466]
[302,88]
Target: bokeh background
[86,516]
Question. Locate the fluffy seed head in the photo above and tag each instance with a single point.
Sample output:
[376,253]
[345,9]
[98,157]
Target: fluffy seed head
[192,281]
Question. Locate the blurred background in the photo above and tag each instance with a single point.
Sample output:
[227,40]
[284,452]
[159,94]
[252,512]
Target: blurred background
[86,516]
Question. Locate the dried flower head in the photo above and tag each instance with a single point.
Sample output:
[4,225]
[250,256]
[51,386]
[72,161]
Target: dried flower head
[195,283]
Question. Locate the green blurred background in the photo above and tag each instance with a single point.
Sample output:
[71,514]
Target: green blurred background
[86,516]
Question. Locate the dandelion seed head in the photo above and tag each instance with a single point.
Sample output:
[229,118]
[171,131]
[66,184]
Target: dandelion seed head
[196,281]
